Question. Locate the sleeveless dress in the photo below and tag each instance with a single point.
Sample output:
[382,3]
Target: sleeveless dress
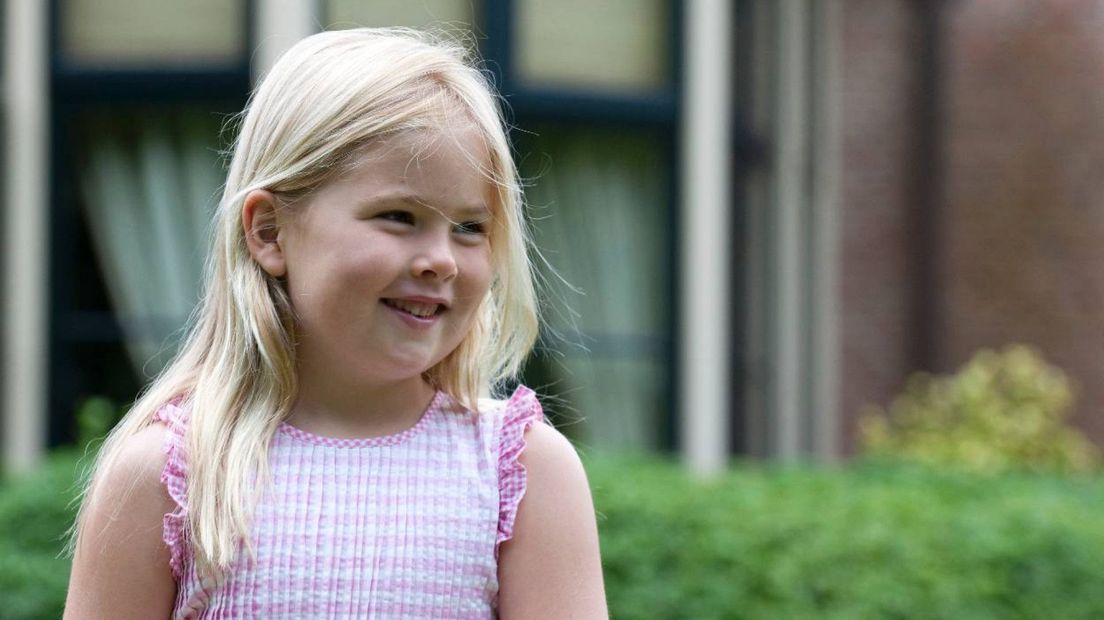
[401,526]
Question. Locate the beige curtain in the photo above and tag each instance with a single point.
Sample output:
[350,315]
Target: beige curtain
[149,185]
[598,203]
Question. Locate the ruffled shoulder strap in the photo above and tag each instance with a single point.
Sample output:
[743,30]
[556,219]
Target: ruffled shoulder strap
[521,411]
[173,476]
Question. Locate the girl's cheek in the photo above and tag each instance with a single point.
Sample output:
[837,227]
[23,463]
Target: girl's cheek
[479,259]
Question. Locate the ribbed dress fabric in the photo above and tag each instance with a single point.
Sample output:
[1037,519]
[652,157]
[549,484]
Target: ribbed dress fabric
[402,526]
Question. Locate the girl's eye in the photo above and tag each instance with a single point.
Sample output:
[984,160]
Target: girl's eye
[402,217]
[471,228]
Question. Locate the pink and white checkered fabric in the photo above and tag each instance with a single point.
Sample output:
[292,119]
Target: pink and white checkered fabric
[402,526]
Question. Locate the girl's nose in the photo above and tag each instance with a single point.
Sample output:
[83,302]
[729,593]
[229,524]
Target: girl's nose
[435,260]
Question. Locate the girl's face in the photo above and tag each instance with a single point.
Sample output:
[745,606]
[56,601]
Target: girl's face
[388,264]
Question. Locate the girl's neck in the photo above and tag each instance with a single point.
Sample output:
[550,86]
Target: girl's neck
[325,406]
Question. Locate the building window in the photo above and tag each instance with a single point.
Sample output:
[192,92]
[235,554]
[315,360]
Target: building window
[138,33]
[609,46]
[601,216]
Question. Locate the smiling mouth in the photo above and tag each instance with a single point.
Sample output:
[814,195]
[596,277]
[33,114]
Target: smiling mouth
[413,308]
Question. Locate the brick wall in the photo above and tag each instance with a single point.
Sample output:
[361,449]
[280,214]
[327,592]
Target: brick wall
[1020,227]
[1023,223]
[879,60]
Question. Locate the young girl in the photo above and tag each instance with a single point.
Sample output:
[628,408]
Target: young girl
[320,448]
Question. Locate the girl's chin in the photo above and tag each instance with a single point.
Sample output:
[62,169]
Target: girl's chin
[399,370]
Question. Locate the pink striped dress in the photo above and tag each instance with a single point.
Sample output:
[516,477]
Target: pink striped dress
[401,526]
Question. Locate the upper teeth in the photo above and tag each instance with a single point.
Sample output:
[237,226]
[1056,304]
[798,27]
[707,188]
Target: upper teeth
[415,308]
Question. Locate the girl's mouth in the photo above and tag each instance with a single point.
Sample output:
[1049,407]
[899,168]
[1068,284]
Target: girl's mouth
[415,309]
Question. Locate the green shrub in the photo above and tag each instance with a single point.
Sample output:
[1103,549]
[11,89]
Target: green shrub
[873,541]
[870,541]
[1000,412]
[96,416]
[35,512]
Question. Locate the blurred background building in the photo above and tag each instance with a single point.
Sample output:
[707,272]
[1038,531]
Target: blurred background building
[757,215]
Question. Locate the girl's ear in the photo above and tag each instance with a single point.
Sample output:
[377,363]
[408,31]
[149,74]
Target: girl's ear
[262,232]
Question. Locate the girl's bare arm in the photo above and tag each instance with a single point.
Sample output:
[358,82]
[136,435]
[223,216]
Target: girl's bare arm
[551,567]
[121,567]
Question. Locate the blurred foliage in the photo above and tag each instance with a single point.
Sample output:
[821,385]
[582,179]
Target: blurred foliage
[876,540]
[872,541]
[35,512]
[95,417]
[1000,412]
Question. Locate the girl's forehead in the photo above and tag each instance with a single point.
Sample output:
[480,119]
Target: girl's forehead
[450,165]
[461,140]
[450,144]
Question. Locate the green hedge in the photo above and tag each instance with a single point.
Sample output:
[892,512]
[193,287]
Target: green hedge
[34,513]
[870,541]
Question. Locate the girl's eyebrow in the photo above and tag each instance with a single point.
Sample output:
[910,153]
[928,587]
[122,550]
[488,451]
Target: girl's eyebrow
[475,211]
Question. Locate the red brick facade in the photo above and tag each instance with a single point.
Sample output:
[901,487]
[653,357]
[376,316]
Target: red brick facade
[879,72]
[1019,229]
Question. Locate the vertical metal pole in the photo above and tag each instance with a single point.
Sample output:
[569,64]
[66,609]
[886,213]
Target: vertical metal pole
[279,25]
[26,211]
[705,312]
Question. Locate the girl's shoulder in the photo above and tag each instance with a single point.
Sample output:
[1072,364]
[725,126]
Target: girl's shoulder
[141,456]
[516,421]
[551,558]
[135,469]
[547,548]
[121,563]
[128,487]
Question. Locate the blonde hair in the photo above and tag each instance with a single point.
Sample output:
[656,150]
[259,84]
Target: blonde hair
[328,96]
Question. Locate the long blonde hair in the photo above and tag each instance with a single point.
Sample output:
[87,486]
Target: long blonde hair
[328,96]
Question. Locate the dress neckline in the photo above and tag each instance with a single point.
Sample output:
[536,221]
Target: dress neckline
[435,406]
